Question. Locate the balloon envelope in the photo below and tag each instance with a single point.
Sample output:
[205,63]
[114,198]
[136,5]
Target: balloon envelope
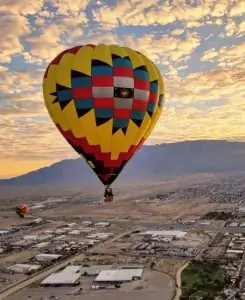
[105,101]
[22,210]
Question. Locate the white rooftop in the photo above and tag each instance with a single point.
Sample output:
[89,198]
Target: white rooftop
[4,232]
[94,269]
[67,276]
[41,245]
[118,275]
[166,233]
[75,232]
[30,237]
[102,224]
[205,223]
[21,268]
[234,224]
[237,251]
[46,257]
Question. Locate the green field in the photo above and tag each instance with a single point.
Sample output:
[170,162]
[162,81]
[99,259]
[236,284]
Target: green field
[206,277]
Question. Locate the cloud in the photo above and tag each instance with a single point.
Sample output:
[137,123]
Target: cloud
[192,124]
[69,7]
[164,49]
[18,82]
[3,69]
[208,104]
[230,28]
[232,56]
[177,31]
[34,138]
[209,55]
[227,56]
[27,108]
[55,37]
[133,13]
[241,28]
[47,45]
[238,9]
[220,9]
[21,7]
[206,86]
[13,27]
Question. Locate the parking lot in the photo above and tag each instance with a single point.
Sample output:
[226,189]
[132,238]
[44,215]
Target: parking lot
[154,285]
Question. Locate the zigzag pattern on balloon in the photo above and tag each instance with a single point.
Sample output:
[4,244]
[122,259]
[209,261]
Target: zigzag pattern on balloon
[105,100]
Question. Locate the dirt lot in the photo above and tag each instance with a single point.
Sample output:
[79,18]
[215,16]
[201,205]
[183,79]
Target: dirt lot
[191,239]
[168,266]
[19,257]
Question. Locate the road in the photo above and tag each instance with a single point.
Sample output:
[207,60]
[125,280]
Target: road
[178,280]
[36,277]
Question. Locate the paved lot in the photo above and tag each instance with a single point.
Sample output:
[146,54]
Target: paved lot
[153,286]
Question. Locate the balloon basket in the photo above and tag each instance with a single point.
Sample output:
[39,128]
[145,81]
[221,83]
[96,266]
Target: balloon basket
[108,199]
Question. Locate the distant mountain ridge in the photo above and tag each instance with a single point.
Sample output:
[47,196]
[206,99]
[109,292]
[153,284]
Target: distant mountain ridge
[188,157]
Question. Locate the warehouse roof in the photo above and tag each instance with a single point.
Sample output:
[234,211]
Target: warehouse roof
[44,256]
[176,233]
[67,276]
[131,267]
[95,269]
[118,275]
[235,251]
[21,268]
[41,245]
[4,232]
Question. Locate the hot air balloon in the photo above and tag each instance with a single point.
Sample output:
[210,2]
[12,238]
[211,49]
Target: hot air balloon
[22,210]
[105,101]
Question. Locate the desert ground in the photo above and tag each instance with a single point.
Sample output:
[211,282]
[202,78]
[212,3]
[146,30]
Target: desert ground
[131,202]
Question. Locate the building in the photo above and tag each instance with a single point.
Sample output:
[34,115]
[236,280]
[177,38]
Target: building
[37,238]
[99,235]
[87,223]
[205,223]
[38,221]
[85,230]
[43,257]
[24,268]
[94,270]
[31,238]
[115,277]
[241,211]
[71,224]
[234,224]
[69,276]
[234,253]
[60,237]
[165,233]
[102,224]
[75,232]
[18,245]
[131,267]
[3,232]
[41,245]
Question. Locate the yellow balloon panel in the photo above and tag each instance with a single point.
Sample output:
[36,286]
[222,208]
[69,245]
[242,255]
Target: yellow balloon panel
[82,61]
[102,53]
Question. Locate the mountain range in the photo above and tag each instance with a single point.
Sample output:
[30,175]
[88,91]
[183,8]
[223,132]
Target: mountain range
[156,161]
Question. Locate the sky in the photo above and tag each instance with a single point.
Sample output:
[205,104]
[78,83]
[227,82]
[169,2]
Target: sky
[198,45]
